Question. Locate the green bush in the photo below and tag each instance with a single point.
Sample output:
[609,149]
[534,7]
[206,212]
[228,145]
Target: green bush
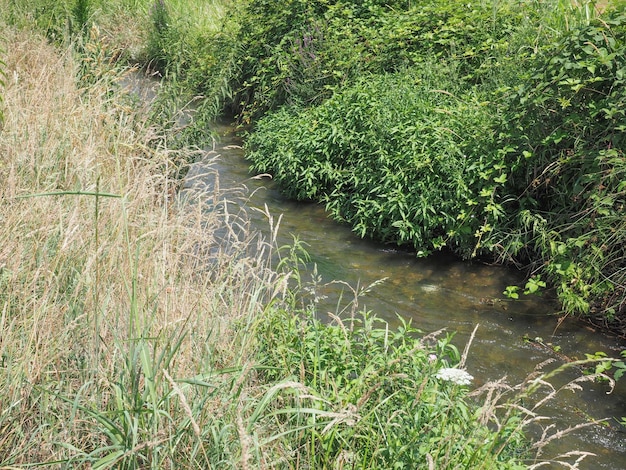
[565,129]
[400,157]
[281,46]
[300,52]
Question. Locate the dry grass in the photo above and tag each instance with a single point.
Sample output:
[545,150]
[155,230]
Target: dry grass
[83,278]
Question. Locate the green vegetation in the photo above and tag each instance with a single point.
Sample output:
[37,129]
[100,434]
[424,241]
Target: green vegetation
[565,136]
[503,141]
[138,330]
[390,156]
[362,396]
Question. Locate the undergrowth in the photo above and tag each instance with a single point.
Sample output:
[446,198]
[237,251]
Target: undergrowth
[564,134]
[352,393]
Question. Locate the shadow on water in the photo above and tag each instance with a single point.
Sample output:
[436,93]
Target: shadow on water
[439,292]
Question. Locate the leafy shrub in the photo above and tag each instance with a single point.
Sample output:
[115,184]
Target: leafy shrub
[399,158]
[278,38]
[471,34]
[299,52]
[565,128]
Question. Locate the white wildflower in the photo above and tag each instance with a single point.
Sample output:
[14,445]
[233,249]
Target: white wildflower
[457,376]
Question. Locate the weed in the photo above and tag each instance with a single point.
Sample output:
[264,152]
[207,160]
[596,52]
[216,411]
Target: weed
[81,12]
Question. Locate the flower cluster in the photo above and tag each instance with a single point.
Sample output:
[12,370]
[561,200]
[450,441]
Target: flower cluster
[457,376]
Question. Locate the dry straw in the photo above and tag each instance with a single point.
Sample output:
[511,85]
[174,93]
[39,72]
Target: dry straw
[98,261]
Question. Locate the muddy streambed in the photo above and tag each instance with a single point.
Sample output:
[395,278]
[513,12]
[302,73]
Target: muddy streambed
[435,293]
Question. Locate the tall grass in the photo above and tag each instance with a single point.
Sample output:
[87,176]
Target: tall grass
[200,15]
[107,299]
[2,76]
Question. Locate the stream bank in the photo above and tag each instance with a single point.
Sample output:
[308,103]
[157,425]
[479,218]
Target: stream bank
[439,292]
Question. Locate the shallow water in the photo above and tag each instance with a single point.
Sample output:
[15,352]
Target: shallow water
[436,293]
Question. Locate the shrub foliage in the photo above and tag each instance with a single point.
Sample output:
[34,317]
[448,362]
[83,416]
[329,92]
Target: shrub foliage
[390,156]
[565,128]
[429,147]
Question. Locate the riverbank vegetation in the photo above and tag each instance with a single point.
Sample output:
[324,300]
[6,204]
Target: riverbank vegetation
[490,129]
[503,141]
[142,325]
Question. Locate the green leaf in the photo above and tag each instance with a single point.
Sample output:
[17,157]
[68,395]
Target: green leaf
[108,460]
[501,179]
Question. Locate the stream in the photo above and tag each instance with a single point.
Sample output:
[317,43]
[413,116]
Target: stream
[439,292]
